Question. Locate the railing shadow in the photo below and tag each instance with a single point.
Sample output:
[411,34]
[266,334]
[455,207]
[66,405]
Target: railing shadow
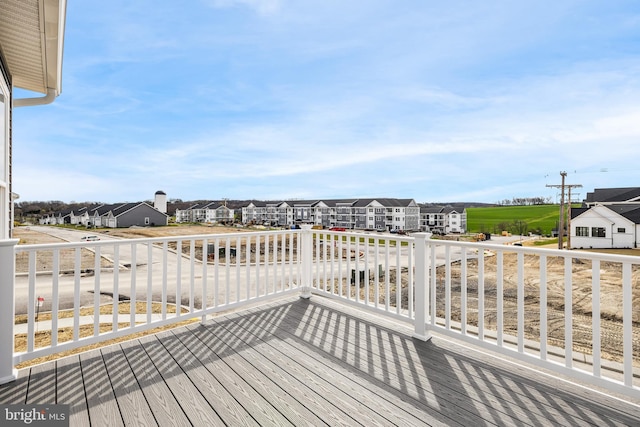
[303,360]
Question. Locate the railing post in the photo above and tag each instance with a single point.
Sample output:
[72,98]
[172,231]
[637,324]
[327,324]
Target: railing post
[306,260]
[7,309]
[421,286]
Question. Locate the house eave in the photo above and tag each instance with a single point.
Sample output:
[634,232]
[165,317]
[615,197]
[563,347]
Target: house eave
[32,41]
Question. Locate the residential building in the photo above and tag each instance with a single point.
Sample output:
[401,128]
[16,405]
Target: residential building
[606,226]
[139,214]
[608,218]
[374,214]
[210,212]
[443,219]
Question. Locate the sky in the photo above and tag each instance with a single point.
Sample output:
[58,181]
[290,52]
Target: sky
[456,101]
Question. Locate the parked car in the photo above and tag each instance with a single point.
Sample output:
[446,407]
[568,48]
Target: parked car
[337,229]
[90,238]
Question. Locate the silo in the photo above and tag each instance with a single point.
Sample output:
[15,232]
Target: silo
[160,201]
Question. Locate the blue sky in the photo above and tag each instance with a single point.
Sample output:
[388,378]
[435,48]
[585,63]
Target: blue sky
[281,99]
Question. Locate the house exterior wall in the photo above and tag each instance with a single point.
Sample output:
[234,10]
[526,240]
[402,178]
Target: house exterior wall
[5,151]
[139,214]
[618,231]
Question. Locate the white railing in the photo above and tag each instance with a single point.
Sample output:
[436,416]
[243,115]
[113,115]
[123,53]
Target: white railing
[529,303]
[168,280]
[571,312]
[532,304]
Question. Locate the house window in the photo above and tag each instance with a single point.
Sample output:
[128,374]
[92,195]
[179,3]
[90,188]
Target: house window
[621,230]
[146,220]
[582,231]
[598,232]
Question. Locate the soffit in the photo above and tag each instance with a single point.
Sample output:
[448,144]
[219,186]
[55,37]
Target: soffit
[31,37]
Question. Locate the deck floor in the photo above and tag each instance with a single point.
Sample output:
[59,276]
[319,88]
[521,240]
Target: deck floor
[305,362]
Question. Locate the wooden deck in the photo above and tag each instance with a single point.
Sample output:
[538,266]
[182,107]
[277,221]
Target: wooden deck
[306,362]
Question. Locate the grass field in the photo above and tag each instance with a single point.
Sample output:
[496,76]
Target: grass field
[539,218]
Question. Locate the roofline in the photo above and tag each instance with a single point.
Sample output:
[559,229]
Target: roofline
[52,18]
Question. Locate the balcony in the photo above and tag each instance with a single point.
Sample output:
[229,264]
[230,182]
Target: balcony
[390,330]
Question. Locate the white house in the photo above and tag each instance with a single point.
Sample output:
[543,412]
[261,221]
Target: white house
[606,226]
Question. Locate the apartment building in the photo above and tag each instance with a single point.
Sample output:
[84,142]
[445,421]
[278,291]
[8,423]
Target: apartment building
[443,219]
[373,214]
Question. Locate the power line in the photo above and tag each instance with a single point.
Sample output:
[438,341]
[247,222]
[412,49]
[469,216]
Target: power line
[562,187]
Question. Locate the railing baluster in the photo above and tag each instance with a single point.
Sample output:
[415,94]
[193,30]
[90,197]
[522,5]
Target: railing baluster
[165,248]
[463,291]
[31,301]
[96,291]
[237,267]
[410,279]
[149,280]
[433,284]
[627,324]
[192,273]
[274,265]
[204,296]
[348,257]
[178,277]
[481,294]
[258,259]
[55,286]
[447,288]
[216,272]
[76,294]
[500,296]
[398,278]
[340,267]
[132,298]
[227,272]
[356,270]
[115,302]
[283,261]
[568,313]
[520,302]
[376,274]
[247,260]
[543,307]
[316,238]
[595,317]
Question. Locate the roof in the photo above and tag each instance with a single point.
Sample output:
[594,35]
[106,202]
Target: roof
[609,195]
[630,211]
[32,38]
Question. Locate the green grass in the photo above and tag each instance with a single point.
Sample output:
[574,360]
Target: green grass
[496,219]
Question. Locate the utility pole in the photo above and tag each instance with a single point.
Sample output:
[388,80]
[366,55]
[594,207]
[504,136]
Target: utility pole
[562,187]
[569,215]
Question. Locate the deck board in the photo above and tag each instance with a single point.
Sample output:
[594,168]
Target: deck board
[102,406]
[70,389]
[306,362]
[133,406]
[165,408]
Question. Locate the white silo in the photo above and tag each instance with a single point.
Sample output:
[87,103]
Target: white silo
[160,201]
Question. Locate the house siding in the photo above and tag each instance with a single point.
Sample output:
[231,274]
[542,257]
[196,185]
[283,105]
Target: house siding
[611,222]
[137,215]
